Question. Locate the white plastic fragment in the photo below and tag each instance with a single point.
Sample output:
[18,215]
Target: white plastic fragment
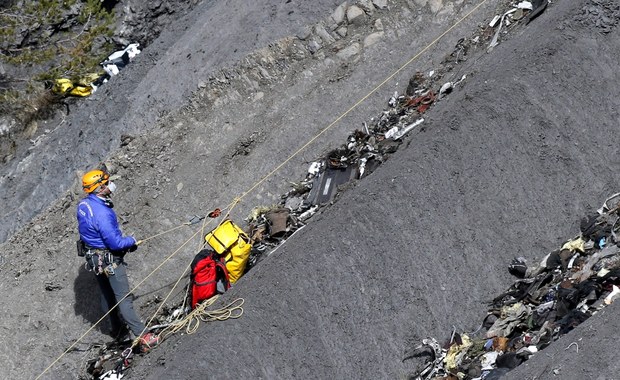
[111,69]
[111,375]
[131,50]
[488,360]
[362,166]
[308,213]
[393,99]
[391,132]
[314,168]
[352,143]
[495,39]
[612,296]
[400,134]
[446,88]
[494,21]
[525,5]
[602,273]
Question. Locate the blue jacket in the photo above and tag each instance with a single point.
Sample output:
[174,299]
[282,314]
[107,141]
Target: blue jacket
[98,225]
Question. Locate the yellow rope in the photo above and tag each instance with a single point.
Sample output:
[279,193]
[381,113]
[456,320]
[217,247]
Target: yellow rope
[238,199]
[192,320]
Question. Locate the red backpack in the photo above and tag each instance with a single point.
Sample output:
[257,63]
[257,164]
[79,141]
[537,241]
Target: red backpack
[207,270]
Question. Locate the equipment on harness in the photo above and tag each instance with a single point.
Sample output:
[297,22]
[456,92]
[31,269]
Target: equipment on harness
[207,269]
[94,178]
[100,261]
[234,245]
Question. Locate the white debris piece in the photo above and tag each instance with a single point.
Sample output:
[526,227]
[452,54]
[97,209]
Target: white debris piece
[495,39]
[314,168]
[131,50]
[391,132]
[494,21]
[446,88]
[400,134]
[612,296]
[525,5]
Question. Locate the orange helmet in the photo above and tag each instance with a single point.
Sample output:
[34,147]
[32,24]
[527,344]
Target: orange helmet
[94,178]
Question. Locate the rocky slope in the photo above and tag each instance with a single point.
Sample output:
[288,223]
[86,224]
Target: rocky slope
[504,166]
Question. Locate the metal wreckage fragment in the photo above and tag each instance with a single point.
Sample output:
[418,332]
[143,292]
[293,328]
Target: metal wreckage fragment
[548,300]
[364,150]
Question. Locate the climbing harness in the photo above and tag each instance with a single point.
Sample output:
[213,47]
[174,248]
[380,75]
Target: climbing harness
[100,261]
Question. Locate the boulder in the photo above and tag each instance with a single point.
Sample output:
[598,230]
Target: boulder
[355,15]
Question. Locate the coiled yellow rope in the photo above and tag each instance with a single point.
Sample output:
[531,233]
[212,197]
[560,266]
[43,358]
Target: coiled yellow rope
[192,320]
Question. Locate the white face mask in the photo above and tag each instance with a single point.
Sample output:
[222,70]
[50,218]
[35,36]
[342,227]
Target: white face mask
[112,187]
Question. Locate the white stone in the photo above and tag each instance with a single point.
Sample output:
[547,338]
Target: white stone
[349,52]
[355,15]
[338,15]
[373,38]
[342,31]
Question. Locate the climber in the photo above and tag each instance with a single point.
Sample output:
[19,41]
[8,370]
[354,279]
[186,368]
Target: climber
[104,248]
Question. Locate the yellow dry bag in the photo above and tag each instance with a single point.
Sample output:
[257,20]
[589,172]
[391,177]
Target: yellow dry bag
[230,241]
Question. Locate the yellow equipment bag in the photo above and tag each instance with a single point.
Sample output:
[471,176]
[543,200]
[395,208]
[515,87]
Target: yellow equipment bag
[66,87]
[230,241]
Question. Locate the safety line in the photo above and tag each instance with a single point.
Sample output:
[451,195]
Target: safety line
[163,233]
[236,201]
[390,77]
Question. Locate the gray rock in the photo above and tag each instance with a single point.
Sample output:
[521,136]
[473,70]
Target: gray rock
[373,38]
[313,46]
[366,6]
[380,4]
[338,15]
[342,31]
[325,36]
[304,33]
[349,52]
[355,15]
[378,25]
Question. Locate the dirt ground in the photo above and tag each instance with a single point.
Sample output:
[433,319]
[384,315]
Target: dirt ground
[504,166]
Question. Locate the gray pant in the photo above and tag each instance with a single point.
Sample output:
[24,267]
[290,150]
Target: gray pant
[114,288]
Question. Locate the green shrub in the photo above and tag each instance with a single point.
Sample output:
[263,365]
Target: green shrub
[40,37]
